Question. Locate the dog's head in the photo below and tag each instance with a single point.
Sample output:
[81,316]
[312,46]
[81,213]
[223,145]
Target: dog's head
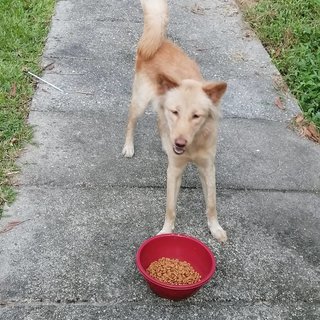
[188,106]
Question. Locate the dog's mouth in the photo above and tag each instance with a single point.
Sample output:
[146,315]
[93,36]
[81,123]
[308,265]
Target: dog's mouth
[178,150]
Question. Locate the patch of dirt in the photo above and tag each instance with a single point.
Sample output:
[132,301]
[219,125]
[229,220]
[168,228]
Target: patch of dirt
[279,84]
[197,9]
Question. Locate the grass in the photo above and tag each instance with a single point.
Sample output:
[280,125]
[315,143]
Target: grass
[290,31]
[23,29]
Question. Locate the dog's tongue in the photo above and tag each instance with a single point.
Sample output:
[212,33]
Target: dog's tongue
[178,150]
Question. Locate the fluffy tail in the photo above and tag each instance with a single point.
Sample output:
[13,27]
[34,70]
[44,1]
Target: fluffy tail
[155,14]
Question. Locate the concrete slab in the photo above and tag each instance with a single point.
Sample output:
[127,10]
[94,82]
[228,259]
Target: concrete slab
[82,148]
[166,311]
[223,52]
[78,245]
[92,84]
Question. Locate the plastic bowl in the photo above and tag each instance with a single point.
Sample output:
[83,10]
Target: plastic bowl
[176,246]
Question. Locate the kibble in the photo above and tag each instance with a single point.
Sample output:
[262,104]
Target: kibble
[173,271]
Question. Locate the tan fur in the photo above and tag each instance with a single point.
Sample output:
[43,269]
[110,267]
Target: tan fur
[188,111]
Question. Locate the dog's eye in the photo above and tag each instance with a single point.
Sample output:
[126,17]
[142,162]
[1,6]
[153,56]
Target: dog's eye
[175,112]
[195,116]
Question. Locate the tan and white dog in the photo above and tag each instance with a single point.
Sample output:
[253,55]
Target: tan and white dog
[187,107]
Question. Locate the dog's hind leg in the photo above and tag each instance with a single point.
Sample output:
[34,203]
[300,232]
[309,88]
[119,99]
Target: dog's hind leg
[142,94]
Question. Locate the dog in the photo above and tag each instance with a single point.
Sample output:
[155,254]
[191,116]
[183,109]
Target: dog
[187,107]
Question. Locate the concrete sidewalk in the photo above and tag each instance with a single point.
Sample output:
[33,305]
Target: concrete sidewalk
[87,209]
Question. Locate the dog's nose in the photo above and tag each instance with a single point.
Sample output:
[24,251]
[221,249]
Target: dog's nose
[180,142]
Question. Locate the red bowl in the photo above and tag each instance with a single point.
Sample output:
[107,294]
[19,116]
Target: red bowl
[176,246]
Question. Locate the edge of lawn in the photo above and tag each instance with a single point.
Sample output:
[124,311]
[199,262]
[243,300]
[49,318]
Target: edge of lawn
[290,32]
[24,27]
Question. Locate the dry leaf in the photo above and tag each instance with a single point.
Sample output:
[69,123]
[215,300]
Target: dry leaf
[13,90]
[312,128]
[306,132]
[307,129]
[11,225]
[314,134]
[299,118]
[279,103]
[311,134]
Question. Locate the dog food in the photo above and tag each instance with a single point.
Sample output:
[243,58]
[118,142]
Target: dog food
[173,271]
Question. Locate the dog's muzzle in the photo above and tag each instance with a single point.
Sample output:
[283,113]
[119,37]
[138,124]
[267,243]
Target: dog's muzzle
[178,150]
[179,146]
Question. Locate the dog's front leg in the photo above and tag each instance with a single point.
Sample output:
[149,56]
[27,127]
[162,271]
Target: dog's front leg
[208,180]
[174,174]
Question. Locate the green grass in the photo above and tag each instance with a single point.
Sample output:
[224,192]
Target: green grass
[290,31]
[23,29]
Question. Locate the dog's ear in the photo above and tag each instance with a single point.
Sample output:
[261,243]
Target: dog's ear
[215,90]
[165,83]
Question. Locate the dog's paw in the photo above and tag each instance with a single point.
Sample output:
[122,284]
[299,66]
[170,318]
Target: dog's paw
[218,233]
[165,230]
[128,151]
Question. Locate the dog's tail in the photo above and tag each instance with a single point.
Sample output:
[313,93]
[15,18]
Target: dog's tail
[155,14]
